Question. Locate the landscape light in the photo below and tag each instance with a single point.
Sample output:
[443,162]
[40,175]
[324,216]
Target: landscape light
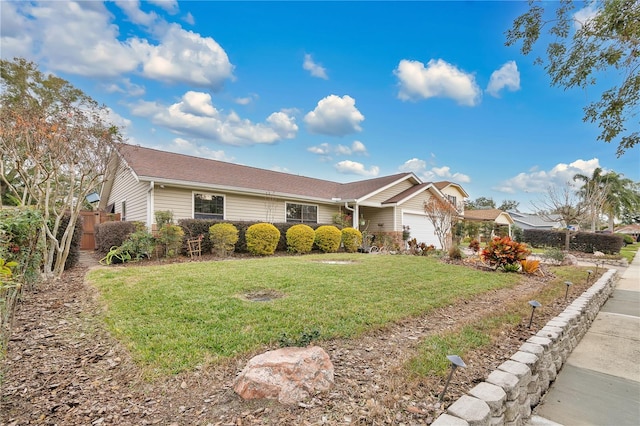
[589,272]
[568,284]
[456,362]
[534,304]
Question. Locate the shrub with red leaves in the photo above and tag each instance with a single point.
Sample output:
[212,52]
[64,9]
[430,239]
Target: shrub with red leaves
[503,251]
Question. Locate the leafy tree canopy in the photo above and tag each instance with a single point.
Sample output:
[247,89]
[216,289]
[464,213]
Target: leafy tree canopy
[602,42]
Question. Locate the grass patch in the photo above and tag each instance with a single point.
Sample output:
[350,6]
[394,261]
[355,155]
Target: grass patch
[431,358]
[629,251]
[174,317]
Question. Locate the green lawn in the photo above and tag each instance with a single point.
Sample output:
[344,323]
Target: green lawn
[174,317]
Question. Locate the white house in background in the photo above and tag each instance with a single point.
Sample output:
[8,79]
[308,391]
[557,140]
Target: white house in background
[142,181]
[532,221]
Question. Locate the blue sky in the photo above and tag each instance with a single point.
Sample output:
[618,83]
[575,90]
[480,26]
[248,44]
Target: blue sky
[333,90]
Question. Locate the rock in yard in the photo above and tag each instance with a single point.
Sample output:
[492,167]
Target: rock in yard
[289,375]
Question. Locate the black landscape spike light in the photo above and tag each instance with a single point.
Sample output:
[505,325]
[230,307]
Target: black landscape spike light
[566,294]
[456,362]
[589,272]
[534,304]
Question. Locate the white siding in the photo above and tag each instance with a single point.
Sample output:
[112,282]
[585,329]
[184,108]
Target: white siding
[177,200]
[126,188]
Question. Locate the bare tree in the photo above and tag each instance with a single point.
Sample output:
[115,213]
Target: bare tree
[57,142]
[443,215]
[569,205]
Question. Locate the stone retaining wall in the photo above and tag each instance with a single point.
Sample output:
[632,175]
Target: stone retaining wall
[509,393]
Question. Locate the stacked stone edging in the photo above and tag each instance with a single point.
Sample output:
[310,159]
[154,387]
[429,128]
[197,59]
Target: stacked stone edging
[509,393]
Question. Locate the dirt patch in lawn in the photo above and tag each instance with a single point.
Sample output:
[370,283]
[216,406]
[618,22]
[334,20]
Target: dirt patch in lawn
[62,367]
[263,295]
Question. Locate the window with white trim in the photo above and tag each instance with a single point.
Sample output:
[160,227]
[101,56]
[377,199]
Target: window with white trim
[208,206]
[302,213]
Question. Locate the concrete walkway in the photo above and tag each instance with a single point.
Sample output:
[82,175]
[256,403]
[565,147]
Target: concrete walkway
[600,382]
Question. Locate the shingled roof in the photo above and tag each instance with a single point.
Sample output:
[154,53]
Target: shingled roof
[483,214]
[152,164]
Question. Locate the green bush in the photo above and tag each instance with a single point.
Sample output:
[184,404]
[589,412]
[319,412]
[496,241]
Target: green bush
[300,238]
[455,252]
[628,239]
[163,217]
[224,237]
[140,245]
[351,239]
[328,238]
[262,239]
[19,242]
[113,234]
[554,254]
[170,238]
[503,251]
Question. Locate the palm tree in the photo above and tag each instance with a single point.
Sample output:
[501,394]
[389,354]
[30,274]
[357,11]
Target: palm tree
[622,195]
[619,194]
[594,188]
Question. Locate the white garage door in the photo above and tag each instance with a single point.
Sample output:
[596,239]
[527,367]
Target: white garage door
[421,229]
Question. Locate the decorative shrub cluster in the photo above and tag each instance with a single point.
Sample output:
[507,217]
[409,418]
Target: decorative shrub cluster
[113,234]
[300,238]
[224,237]
[19,242]
[328,238]
[351,239]
[474,245]
[262,239]
[170,239]
[503,251]
[530,266]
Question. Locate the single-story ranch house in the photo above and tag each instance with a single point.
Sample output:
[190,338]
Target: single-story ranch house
[142,181]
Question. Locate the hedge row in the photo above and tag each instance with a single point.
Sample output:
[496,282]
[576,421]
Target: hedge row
[585,242]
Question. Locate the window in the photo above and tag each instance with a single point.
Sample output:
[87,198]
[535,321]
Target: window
[123,210]
[207,206]
[302,213]
[453,199]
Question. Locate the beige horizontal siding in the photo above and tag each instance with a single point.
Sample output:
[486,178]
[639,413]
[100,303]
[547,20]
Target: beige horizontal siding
[389,192]
[127,188]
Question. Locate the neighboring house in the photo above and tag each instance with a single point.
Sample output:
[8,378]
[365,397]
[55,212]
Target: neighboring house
[532,221]
[633,230]
[142,181]
[494,216]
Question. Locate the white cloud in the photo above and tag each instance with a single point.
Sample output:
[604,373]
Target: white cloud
[185,57]
[335,116]
[195,115]
[81,38]
[183,146]
[507,76]
[246,100]
[171,6]
[434,174]
[189,19]
[131,8]
[437,79]
[326,150]
[538,181]
[322,149]
[316,70]
[126,87]
[355,168]
[584,15]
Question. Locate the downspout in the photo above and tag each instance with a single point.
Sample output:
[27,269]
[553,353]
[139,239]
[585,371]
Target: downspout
[150,204]
[354,216]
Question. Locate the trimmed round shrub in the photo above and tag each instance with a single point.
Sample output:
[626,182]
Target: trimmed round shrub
[262,239]
[300,238]
[328,238]
[224,237]
[351,239]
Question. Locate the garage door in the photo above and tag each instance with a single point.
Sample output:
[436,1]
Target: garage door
[421,229]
